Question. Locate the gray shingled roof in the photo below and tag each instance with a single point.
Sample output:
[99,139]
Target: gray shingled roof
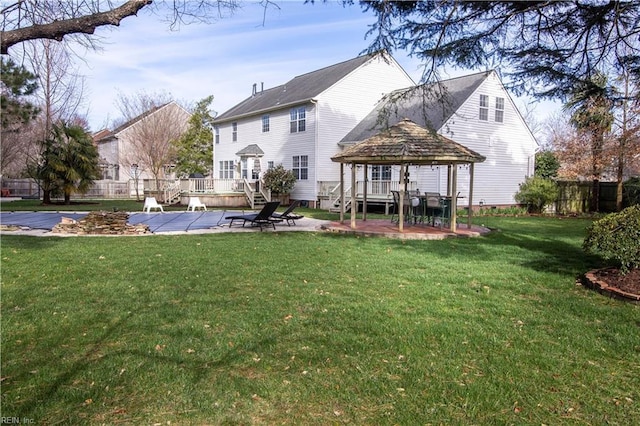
[252,150]
[298,90]
[427,105]
[408,143]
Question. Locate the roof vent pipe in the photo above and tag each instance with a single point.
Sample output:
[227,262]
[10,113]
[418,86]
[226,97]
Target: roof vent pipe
[262,87]
[255,89]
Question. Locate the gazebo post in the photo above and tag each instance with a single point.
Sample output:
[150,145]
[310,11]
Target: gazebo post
[470,205]
[341,192]
[454,198]
[354,202]
[364,192]
[401,200]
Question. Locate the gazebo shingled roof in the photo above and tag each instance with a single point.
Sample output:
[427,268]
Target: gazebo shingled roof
[408,143]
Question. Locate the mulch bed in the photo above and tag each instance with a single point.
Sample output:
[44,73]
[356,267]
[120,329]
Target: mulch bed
[611,282]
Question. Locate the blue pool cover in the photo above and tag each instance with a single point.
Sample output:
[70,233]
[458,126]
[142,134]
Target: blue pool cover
[158,222]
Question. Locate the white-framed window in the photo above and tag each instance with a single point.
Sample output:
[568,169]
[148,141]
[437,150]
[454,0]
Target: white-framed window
[226,169]
[270,165]
[265,123]
[234,132]
[380,172]
[298,119]
[216,132]
[484,108]
[301,167]
[499,110]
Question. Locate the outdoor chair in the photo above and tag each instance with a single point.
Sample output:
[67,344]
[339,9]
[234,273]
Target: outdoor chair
[261,219]
[433,206]
[151,203]
[288,214]
[195,203]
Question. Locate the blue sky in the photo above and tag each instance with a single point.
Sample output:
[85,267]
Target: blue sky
[226,58]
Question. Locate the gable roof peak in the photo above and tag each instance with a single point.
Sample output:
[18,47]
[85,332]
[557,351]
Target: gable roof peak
[300,89]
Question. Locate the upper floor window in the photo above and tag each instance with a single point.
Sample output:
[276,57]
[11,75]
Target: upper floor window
[270,165]
[484,108]
[298,119]
[265,123]
[301,167]
[499,110]
[216,131]
[234,132]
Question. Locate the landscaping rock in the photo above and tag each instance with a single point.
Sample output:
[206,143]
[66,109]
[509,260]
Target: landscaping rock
[100,223]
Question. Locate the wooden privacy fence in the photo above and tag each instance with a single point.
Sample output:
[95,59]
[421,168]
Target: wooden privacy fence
[575,197]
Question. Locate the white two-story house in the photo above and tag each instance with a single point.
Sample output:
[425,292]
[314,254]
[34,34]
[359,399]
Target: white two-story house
[304,122]
[300,123]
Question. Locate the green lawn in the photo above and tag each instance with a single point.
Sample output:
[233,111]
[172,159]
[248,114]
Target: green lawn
[312,328]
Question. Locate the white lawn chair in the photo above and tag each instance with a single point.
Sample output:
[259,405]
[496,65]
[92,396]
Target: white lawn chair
[194,203]
[151,203]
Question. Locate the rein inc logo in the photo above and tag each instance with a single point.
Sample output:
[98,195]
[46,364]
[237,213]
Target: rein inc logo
[16,421]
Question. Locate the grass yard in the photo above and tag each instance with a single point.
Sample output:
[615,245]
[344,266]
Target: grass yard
[310,328]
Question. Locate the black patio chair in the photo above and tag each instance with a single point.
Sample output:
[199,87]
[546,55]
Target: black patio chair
[261,219]
[288,214]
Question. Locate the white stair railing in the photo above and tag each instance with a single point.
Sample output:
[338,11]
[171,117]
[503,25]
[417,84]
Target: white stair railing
[171,192]
[335,200]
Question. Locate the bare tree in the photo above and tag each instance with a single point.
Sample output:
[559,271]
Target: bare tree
[61,88]
[24,20]
[626,149]
[153,123]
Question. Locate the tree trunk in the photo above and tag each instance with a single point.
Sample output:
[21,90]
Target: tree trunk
[46,196]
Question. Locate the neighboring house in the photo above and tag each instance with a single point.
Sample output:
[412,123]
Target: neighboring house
[306,121]
[120,158]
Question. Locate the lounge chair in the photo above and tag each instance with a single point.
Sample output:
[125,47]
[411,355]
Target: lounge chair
[288,214]
[195,203]
[151,203]
[261,219]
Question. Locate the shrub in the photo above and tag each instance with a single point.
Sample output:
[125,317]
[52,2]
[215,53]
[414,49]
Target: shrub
[536,193]
[617,237]
[279,180]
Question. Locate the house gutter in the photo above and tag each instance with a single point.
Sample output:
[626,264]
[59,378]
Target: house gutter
[316,146]
[261,111]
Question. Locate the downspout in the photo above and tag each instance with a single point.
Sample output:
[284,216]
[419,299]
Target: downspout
[317,148]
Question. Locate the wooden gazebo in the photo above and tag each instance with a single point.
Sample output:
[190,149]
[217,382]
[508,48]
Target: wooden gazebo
[407,144]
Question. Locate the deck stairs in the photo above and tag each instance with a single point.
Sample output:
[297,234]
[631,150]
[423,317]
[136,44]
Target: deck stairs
[335,194]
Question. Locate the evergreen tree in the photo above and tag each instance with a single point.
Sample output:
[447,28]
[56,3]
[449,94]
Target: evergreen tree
[194,149]
[17,83]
